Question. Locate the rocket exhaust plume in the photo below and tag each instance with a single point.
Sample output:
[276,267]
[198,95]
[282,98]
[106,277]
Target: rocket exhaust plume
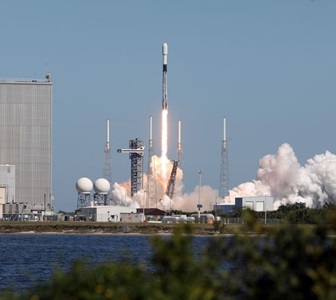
[280,175]
[164,133]
[161,168]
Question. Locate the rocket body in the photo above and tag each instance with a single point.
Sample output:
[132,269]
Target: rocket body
[164,76]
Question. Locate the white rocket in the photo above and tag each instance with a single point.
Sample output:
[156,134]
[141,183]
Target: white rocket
[164,76]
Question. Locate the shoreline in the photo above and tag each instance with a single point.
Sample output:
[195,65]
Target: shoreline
[74,227]
[78,227]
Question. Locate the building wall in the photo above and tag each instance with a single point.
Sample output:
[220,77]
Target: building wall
[7,186]
[105,213]
[7,182]
[25,138]
[257,203]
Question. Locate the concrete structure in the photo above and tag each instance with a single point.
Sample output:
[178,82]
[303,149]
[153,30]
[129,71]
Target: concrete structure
[25,140]
[257,203]
[109,213]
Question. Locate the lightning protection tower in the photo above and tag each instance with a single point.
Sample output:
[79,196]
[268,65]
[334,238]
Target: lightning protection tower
[151,179]
[107,166]
[224,171]
[180,154]
[179,146]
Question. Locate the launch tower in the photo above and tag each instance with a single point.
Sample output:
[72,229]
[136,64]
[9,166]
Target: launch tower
[136,153]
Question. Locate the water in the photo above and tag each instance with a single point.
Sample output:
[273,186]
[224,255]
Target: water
[28,259]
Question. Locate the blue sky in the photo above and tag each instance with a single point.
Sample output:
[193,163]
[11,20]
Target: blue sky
[267,66]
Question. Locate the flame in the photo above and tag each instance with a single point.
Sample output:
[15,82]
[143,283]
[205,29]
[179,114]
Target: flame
[155,195]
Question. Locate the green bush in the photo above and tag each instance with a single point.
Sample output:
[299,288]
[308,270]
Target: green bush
[219,226]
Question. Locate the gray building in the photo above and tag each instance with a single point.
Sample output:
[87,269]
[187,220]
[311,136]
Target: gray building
[102,213]
[257,203]
[7,185]
[26,142]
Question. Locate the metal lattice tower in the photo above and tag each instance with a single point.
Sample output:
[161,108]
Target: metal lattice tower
[136,153]
[179,146]
[151,179]
[224,170]
[107,165]
[171,183]
[83,200]
[180,152]
[136,165]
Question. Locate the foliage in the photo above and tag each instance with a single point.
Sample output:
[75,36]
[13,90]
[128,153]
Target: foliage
[289,262]
[219,226]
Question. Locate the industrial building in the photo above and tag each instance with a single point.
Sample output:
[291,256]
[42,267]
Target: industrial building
[111,213]
[94,207]
[25,148]
[257,203]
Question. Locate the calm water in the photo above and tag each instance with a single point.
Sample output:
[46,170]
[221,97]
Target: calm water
[27,259]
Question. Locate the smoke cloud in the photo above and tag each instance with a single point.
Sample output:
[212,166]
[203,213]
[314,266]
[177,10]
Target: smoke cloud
[154,192]
[281,176]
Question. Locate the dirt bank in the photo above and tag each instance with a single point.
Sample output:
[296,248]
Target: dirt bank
[93,227]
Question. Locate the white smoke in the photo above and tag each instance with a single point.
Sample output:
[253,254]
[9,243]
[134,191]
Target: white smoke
[206,196]
[279,175]
[154,192]
[121,196]
[282,177]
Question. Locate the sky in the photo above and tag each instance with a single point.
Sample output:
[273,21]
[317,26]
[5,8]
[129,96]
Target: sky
[267,66]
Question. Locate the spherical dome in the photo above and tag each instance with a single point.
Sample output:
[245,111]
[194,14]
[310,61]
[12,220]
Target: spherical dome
[101,186]
[84,185]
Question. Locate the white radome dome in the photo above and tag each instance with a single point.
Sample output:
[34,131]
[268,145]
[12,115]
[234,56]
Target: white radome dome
[84,185]
[101,186]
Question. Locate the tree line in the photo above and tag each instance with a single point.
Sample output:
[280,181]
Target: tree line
[296,213]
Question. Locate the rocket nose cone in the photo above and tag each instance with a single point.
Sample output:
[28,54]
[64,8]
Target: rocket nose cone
[164,49]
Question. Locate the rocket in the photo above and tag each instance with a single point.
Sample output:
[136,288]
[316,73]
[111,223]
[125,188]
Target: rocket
[164,76]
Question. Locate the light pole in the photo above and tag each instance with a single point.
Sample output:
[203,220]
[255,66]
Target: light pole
[199,205]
